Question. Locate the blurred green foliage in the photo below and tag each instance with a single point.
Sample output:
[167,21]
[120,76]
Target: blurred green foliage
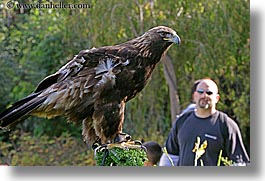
[23,149]
[215,43]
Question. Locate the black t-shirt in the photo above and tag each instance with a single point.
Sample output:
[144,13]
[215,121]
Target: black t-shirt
[220,131]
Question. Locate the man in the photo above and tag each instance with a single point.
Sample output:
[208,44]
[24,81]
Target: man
[205,136]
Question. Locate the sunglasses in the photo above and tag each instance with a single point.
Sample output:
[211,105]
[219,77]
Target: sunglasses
[201,91]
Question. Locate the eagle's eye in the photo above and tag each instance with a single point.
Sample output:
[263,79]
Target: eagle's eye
[163,34]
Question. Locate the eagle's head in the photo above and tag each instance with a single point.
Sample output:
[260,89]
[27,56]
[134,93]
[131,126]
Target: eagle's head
[155,42]
[163,34]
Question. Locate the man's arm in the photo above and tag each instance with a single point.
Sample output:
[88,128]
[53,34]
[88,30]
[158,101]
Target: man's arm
[234,144]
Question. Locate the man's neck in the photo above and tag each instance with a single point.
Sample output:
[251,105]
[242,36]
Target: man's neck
[204,113]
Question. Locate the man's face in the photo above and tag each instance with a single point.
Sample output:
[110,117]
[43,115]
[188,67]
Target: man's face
[206,95]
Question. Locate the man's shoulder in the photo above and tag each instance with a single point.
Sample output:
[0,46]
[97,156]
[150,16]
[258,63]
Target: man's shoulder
[224,116]
[226,119]
[183,116]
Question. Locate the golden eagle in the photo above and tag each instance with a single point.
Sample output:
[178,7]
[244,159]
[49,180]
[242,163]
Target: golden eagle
[94,86]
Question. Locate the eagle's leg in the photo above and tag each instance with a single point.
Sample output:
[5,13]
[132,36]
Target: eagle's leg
[108,120]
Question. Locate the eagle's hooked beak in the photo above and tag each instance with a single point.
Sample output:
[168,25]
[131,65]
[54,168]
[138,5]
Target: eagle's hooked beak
[174,39]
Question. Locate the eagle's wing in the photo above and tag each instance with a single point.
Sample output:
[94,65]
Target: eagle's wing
[78,91]
[85,91]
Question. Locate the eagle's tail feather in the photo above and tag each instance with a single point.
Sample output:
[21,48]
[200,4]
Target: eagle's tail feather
[19,110]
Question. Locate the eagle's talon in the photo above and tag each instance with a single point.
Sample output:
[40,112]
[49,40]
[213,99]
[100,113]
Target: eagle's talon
[95,145]
[122,137]
[138,142]
[101,148]
[128,137]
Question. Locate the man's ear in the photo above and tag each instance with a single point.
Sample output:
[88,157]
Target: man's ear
[217,98]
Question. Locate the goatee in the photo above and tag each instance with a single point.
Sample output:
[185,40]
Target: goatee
[204,103]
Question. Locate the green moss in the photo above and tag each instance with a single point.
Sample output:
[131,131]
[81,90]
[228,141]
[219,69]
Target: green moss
[121,157]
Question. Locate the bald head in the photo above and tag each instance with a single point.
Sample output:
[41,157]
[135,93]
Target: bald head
[209,85]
